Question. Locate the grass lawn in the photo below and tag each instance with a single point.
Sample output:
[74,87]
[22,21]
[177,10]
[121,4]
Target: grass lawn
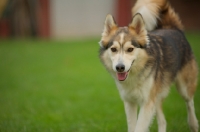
[61,86]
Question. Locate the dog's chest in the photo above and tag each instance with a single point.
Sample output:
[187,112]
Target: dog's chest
[135,90]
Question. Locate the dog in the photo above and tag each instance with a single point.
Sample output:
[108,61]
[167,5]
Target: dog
[145,58]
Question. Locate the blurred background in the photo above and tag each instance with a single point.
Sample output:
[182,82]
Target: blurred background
[51,79]
[69,18]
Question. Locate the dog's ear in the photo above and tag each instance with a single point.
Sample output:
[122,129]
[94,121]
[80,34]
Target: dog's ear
[137,27]
[109,25]
[137,23]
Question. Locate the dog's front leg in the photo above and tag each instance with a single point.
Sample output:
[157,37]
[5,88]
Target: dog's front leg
[131,115]
[145,116]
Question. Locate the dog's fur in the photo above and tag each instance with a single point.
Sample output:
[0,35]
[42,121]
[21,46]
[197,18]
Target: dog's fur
[145,58]
[157,14]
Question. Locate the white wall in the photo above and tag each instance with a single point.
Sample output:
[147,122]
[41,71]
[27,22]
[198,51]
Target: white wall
[79,18]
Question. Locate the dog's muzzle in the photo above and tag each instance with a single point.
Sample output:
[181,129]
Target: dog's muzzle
[121,74]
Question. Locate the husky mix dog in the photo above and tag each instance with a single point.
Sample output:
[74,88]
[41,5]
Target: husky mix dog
[145,58]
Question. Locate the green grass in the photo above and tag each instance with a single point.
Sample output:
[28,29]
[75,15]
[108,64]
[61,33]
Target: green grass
[61,86]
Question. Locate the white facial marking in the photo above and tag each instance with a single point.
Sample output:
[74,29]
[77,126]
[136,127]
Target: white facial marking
[121,38]
[100,43]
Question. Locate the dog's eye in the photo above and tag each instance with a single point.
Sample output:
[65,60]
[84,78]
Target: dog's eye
[130,50]
[113,49]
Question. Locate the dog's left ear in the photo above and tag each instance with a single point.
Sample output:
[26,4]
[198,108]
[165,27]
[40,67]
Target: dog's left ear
[138,27]
[137,23]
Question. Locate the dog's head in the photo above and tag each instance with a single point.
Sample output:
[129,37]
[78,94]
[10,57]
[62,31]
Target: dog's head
[121,46]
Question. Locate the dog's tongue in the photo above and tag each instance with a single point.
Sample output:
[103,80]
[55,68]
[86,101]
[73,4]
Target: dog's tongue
[121,76]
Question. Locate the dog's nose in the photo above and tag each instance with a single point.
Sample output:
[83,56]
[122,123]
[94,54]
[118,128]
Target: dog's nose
[120,67]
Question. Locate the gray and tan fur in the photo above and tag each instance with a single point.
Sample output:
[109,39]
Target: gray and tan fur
[144,64]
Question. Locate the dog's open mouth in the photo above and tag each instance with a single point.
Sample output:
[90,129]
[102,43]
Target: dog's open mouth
[122,75]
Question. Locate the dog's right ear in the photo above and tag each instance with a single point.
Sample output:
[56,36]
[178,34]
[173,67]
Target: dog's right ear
[109,25]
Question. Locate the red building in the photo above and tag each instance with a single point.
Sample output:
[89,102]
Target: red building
[25,18]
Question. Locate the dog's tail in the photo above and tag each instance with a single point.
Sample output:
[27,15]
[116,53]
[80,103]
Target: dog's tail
[157,14]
